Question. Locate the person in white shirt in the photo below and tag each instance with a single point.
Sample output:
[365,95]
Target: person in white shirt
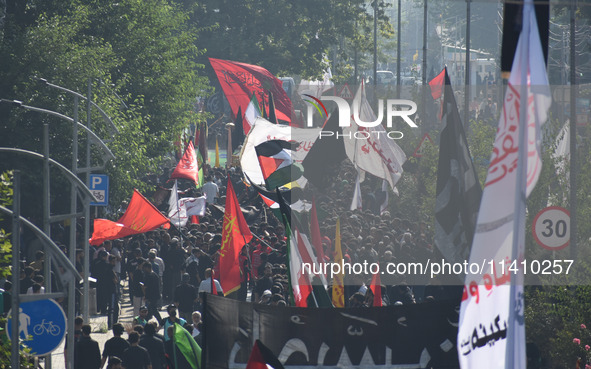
[37,287]
[205,285]
[196,318]
[211,191]
[157,260]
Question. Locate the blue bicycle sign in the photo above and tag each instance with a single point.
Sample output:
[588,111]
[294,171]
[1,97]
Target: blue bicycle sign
[41,326]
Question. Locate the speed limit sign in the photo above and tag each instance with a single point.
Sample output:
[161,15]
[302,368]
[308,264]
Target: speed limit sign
[551,228]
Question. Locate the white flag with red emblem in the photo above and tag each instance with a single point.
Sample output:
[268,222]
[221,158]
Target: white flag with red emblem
[370,148]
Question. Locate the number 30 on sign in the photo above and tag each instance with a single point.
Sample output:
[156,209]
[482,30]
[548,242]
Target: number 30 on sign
[551,228]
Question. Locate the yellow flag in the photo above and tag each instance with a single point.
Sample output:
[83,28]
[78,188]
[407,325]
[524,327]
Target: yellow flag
[415,56]
[338,288]
[217,154]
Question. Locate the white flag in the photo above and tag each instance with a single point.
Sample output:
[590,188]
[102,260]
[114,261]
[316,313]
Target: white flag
[262,131]
[373,151]
[194,205]
[356,203]
[174,198]
[186,207]
[492,328]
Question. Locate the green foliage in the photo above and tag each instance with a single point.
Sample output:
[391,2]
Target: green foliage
[480,138]
[143,51]
[26,362]
[5,245]
[553,319]
[6,194]
[287,37]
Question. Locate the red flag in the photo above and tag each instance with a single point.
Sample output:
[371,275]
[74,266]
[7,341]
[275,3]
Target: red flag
[376,288]
[437,85]
[239,81]
[261,357]
[235,235]
[187,166]
[315,233]
[304,286]
[140,217]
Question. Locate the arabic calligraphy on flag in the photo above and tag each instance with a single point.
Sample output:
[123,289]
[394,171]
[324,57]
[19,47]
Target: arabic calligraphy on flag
[492,323]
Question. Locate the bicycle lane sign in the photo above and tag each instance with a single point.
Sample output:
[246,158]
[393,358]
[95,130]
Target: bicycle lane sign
[42,326]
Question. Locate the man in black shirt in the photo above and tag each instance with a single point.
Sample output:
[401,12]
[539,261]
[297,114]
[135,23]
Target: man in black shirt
[26,279]
[103,273]
[264,283]
[136,357]
[185,295]
[174,262]
[155,347]
[116,345]
[151,291]
[87,354]
[205,262]
[137,289]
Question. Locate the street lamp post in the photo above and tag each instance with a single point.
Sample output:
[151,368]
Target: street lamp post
[87,170]
[47,218]
[68,266]
[229,126]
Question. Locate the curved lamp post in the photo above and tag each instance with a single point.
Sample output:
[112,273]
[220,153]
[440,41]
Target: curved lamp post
[76,182]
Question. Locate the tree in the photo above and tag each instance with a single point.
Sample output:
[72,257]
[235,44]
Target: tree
[143,51]
[286,37]
[6,194]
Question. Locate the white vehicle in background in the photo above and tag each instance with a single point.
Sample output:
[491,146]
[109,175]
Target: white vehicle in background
[385,77]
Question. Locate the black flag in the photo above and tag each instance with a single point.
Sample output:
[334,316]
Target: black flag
[238,132]
[458,190]
[512,18]
[272,113]
[327,152]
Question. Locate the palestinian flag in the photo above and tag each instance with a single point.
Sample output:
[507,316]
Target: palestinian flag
[275,158]
[261,357]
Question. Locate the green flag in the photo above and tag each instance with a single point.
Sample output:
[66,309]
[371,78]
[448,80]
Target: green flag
[187,346]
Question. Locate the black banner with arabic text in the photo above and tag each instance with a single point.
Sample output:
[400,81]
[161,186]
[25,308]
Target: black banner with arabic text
[407,336]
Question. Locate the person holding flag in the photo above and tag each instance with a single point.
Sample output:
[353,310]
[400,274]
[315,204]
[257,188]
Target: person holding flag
[210,284]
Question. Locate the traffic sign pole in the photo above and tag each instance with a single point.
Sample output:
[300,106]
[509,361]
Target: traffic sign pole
[16,225]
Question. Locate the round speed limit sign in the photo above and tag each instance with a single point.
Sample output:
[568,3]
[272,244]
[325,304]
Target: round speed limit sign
[551,228]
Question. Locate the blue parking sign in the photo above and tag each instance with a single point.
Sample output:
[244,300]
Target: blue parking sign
[99,186]
[41,324]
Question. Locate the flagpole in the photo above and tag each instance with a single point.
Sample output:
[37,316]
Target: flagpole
[249,261]
[573,136]
[520,194]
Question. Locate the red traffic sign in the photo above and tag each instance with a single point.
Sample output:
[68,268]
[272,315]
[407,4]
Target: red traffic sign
[346,92]
[551,228]
[420,149]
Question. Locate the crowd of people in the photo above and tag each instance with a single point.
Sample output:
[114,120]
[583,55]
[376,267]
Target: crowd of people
[173,267]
